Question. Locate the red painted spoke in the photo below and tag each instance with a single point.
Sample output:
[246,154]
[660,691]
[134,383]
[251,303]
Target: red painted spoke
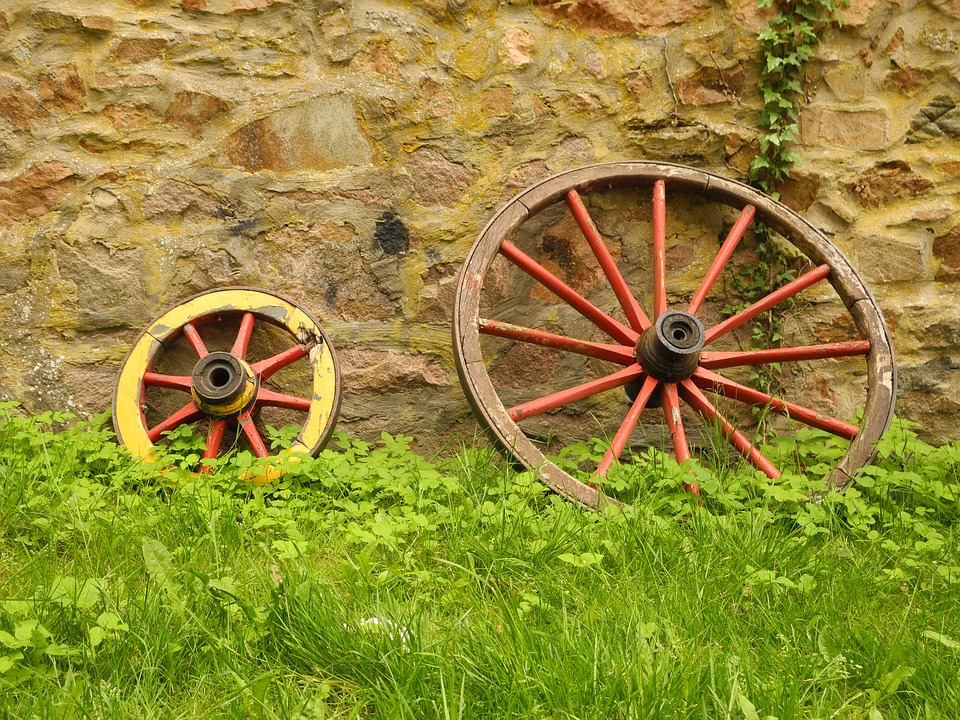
[188,413]
[195,340]
[659,249]
[214,439]
[671,409]
[736,391]
[243,336]
[622,437]
[717,360]
[275,399]
[720,261]
[620,354]
[538,272]
[638,319]
[267,368]
[174,382]
[558,399]
[768,302]
[699,402]
[257,446]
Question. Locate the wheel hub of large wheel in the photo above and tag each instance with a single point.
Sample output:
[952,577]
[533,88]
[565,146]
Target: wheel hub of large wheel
[669,350]
[223,385]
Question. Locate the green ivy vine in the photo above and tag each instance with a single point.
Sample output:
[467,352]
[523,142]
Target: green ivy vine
[786,44]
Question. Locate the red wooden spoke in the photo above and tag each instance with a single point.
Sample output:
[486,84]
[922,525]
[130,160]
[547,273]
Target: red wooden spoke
[267,368]
[622,437]
[620,354]
[659,249]
[671,410]
[195,340]
[635,315]
[768,302]
[243,336]
[214,439]
[174,382]
[717,360]
[257,446]
[188,413]
[275,399]
[720,261]
[558,399]
[538,272]
[736,391]
[699,402]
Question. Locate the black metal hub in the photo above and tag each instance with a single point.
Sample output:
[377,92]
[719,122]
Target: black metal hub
[222,383]
[670,348]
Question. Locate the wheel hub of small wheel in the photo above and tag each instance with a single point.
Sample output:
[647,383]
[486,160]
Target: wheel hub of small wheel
[223,385]
[669,350]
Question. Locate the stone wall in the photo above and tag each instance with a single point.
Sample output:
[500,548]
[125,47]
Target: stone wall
[346,153]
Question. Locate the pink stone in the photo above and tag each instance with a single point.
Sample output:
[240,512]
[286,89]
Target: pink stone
[34,193]
[611,17]
[517,47]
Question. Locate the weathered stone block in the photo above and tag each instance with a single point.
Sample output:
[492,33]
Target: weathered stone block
[939,118]
[19,105]
[950,7]
[517,49]
[435,98]
[139,50]
[437,180]
[35,192]
[847,81]
[908,81]
[99,22]
[863,129]
[108,286]
[946,249]
[126,114]
[623,16]
[856,12]
[181,201]
[497,102]
[709,86]
[887,259]
[192,110]
[887,182]
[379,371]
[319,135]
[62,88]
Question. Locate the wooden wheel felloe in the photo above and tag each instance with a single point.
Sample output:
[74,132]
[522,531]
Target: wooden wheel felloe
[672,358]
[197,364]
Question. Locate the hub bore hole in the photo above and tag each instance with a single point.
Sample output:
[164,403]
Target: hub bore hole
[679,334]
[219,377]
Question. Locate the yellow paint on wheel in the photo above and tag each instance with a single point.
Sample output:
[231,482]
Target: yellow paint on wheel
[128,417]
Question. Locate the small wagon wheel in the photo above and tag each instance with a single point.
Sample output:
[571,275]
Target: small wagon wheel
[219,381]
[667,357]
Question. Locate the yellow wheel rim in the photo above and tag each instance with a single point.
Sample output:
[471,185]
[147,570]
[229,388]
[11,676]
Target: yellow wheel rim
[308,343]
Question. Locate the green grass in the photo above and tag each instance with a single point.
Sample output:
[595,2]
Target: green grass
[122,596]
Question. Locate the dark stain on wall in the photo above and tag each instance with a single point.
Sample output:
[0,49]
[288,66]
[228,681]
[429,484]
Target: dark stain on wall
[391,234]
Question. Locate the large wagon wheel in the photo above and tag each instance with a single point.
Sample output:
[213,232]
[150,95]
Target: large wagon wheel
[216,361]
[668,356]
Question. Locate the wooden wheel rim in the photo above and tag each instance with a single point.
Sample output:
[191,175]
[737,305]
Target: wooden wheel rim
[480,392]
[128,418]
